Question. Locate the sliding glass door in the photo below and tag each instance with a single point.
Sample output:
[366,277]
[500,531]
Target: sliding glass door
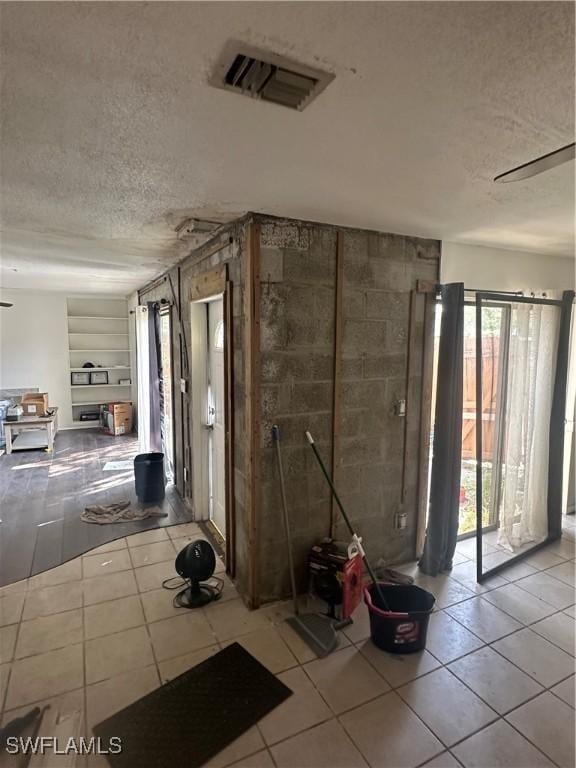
[515,356]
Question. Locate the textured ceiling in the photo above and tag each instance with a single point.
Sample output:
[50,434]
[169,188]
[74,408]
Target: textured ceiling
[111,134]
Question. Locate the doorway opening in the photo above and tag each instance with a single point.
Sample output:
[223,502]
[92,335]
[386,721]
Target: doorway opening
[155,414]
[509,360]
[167,400]
[208,342]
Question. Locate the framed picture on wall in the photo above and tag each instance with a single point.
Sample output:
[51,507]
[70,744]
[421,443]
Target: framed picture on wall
[79,378]
[98,377]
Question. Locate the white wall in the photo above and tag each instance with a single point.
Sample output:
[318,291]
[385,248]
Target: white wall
[504,270]
[132,300]
[34,346]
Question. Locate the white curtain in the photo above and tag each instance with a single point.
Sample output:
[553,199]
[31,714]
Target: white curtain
[569,453]
[531,371]
[143,362]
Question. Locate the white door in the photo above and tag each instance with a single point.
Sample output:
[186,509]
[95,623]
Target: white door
[216,414]
[200,486]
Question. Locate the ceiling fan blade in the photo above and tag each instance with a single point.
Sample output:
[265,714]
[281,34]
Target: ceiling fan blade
[6,304]
[541,164]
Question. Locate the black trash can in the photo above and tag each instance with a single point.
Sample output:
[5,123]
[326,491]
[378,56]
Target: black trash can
[149,477]
[402,628]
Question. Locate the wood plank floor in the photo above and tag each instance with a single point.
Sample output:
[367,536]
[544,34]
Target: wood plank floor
[42,497]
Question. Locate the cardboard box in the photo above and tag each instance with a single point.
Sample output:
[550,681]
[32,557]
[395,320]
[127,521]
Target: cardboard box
[116,418]
[35,403]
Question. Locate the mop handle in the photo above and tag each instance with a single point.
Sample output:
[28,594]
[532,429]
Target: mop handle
[276,438]
[329,481]
[346,519]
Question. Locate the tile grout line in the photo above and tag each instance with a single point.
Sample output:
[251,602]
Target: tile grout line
[445,666]
[337,716]
[491,643]
[12,660]
[475,693]
[355,646]
[523,735]
[499,716]
[156,663]
[525,625]
[84,655]
[395,689]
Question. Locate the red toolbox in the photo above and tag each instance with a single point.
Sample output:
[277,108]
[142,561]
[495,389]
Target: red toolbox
[335,577]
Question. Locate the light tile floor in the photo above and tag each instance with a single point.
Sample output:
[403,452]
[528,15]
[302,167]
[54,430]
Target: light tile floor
[495,686]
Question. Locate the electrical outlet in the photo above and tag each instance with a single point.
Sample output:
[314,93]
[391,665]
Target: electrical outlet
[401,520]
[400,407]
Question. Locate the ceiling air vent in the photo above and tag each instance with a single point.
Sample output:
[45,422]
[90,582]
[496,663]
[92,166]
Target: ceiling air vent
[268,77]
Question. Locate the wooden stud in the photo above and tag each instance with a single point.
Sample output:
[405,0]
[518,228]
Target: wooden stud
[209,283]
[252,404]
[426,286]
[409,374]
[175,467]
[202,253]
[229,431]
[184,421]
[337,373]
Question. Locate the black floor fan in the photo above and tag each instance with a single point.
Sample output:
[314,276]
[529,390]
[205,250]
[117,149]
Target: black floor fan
[196,564]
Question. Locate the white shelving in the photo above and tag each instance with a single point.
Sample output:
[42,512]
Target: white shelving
[112,368]
[102,326]
[102,402]
[94,317]
[98,386]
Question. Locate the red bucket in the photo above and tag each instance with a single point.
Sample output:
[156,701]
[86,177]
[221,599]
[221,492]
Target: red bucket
[402,628]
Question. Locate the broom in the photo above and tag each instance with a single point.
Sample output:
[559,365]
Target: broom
[316,631]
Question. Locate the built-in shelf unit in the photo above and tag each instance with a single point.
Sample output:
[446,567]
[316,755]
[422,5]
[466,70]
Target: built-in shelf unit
[98,334]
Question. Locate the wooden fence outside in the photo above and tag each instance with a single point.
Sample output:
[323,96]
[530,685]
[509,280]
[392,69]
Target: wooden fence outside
[490,357]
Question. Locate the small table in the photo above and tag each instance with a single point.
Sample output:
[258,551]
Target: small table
[48,424]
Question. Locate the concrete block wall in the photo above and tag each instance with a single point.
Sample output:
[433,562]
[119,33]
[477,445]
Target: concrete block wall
[297,270]
[298,282]
[378,448]
[296,387]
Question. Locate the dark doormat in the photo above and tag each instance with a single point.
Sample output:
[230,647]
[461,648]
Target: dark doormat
[193,717]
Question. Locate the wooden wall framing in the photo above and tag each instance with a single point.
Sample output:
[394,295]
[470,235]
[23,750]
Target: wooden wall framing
[209,283]
[252,405]
[408,405]
[229,430]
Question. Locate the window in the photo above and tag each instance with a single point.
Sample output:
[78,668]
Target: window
[219,336]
